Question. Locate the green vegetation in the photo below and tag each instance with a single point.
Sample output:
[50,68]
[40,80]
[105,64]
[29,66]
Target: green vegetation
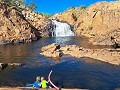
[15,4]
[77,11]
[47,15]
[32,6]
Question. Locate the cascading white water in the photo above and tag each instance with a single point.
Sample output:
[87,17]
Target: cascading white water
[61,29]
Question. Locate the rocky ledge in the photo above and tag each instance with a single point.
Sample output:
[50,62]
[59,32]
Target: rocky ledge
[111,56]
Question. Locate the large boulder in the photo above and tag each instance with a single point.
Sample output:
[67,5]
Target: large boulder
[52,50]
[100,22]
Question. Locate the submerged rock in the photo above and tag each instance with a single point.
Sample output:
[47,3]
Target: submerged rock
[5,65]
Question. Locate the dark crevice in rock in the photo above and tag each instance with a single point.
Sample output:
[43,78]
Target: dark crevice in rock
[95,14]
[115,44]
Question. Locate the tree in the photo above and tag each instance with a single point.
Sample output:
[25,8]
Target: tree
[13,2]
[21,1]
[83,7]
[32,5]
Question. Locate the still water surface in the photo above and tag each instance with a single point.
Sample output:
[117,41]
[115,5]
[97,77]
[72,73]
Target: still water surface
[68,72]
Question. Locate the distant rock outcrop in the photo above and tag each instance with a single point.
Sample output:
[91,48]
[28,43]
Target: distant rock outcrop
[100,22]
[14,27]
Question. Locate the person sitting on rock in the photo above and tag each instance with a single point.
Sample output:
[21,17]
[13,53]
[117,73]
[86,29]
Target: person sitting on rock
[37,83]
[43,83]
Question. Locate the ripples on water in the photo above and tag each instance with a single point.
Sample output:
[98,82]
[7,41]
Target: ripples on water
[68,72]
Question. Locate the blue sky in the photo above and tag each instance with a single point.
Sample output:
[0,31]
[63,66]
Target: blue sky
[55,6]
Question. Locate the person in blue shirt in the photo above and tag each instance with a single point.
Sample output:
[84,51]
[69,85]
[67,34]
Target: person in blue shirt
[36,84]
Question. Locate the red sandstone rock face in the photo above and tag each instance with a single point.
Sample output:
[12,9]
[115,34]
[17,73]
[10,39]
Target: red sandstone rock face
[22,26]
[14,27]
[100,21]
[70,15]
[67,17]
[41,23]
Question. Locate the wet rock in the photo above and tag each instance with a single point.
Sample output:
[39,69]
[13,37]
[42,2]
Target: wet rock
[3,65]
[15,64]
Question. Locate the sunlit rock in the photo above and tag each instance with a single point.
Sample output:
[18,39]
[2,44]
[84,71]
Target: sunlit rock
[110,56]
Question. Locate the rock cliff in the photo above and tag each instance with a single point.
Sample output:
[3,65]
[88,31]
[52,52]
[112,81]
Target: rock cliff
[14,27]
[40,22]
[70,15]
[101,23]
[25,26]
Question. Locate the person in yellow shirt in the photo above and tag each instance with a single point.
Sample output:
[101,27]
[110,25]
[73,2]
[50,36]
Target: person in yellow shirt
[43,83]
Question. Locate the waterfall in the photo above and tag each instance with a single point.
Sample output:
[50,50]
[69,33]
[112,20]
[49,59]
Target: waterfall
[61,29]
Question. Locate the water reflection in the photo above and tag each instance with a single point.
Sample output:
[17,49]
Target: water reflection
[67,40]
[69,72]
[13,53]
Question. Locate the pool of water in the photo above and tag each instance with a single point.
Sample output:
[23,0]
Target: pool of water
[68,72]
